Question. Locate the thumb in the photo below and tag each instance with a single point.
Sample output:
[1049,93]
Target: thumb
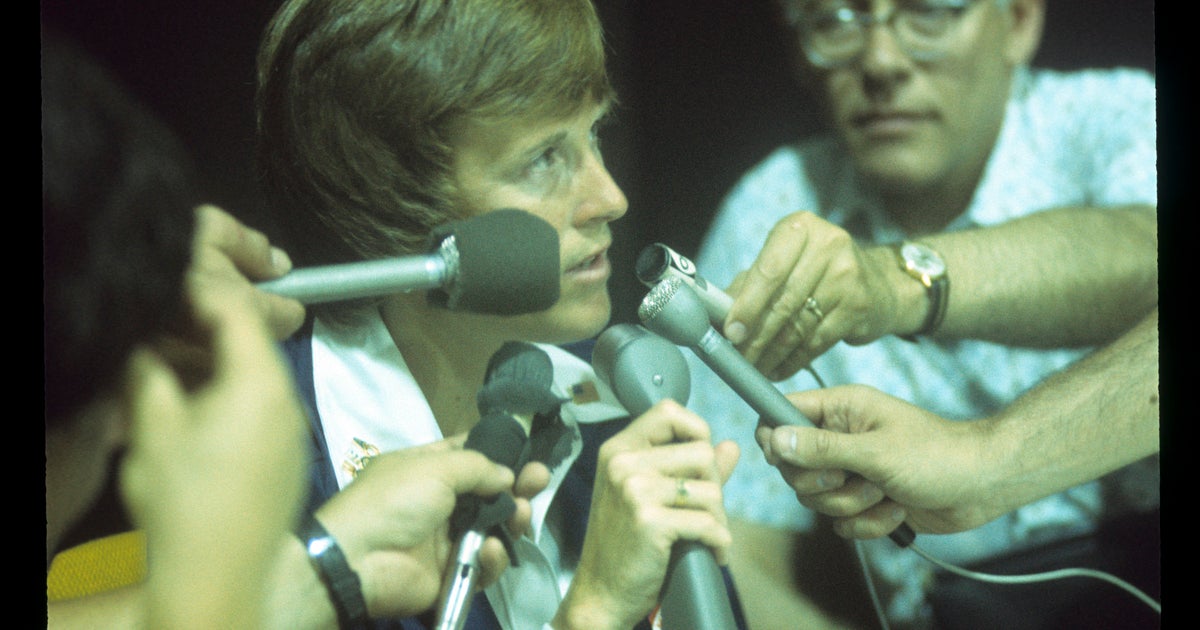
[814,448]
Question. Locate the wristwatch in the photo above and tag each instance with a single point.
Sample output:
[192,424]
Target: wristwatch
[926,265]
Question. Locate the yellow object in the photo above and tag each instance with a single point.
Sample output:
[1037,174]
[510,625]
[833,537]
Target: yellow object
[96,566]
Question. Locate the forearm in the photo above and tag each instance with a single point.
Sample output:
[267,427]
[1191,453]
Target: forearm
[1063,277]
[1095,417]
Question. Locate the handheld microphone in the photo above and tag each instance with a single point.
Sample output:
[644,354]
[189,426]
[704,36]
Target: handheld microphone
[657,262]
[642,368]
[503,262]
[672,310]
[518,387]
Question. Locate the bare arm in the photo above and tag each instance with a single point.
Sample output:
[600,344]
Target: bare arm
[1067,277]
[1062,277]
[941,476]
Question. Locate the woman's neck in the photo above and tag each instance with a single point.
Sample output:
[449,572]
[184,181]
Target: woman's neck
[447,353]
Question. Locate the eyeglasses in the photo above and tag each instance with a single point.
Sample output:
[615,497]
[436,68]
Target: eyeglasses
[835,34]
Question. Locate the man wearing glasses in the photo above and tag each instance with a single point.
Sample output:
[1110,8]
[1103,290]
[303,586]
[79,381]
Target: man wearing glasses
[968,227]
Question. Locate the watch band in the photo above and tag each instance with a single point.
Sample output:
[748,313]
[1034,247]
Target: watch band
[939,298]
[926,266]
[341,582]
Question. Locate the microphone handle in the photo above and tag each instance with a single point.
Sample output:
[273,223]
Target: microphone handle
[772,406]
[694,595]
[775,409]
[349,281]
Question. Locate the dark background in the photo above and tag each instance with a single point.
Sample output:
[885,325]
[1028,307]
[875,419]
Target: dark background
[706,91]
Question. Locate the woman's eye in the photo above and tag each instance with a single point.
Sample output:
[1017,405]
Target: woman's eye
[545,161]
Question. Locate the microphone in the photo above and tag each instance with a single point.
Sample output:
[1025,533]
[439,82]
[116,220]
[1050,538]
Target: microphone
[503,262]
[672,310]
[642,368]
[657,262]
[516,390]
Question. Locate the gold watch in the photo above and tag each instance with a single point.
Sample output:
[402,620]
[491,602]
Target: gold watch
[926,265]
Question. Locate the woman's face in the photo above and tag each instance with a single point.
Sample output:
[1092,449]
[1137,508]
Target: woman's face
[552,169]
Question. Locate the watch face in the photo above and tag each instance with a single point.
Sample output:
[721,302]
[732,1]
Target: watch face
[923,259]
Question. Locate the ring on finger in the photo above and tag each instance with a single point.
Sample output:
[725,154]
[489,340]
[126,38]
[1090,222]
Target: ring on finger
[681,493]
[813,307]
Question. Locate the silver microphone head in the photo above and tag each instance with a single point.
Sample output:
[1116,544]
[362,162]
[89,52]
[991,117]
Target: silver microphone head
[672,310]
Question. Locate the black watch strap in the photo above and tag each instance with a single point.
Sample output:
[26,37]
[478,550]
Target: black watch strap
[341,582]
[939,297]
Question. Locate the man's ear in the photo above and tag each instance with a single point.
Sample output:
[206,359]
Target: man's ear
[1026,20]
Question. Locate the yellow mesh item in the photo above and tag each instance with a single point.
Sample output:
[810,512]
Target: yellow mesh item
[97,566]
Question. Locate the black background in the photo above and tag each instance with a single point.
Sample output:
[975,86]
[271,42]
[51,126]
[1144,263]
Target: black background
[706,91]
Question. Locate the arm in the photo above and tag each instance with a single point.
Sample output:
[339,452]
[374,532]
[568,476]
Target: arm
[213,472]
[1063,277]
[945,476]
[637,508]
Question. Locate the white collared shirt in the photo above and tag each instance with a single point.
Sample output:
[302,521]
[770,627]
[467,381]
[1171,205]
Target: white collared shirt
[369,403]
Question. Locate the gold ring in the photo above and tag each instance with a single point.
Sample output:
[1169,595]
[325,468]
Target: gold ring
[811,306]
[681,493]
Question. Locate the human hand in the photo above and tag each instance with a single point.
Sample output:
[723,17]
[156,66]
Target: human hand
[392,521]
[214,471]
[773,323]
[226,252]
[877,461]
[639,511]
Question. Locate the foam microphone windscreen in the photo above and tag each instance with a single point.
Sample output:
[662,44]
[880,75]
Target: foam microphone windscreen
[508,264]
[500,437]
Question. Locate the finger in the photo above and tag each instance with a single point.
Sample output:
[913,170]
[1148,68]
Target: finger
[702,526]
[689,494]
[854,497]
[666,422]
[518,523]
[493,560]
[532,479]
[727,455]
[469,472]
[249,250]
[876,522]
[695,459]
[760,283]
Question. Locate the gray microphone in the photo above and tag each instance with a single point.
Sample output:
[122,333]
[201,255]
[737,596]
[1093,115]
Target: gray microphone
[502,262]
[642,368]
[672,310]
[657,262]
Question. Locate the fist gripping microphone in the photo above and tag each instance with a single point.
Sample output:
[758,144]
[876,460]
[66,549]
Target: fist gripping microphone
[517,388]
[642,368]
[503,262]
[672,310]
[658,262]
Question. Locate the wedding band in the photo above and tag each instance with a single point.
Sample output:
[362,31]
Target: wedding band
[811,306]
[681,493]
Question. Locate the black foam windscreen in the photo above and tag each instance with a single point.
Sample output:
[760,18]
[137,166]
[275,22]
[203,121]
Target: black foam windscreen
[500,437]
[508,264]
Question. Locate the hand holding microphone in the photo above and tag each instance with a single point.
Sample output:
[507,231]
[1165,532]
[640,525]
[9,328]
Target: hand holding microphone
[672,310]
[516,391]
[642,368]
